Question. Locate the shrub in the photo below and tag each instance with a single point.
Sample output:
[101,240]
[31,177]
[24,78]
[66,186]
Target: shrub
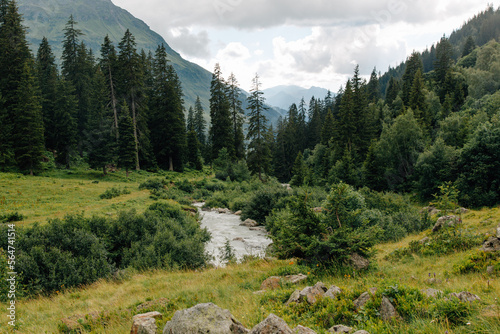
[113,192]
[262,202]
[11,217]
[153,184]
[478,262]
[451,310]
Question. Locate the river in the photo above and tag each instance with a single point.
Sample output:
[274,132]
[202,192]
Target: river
[226,226]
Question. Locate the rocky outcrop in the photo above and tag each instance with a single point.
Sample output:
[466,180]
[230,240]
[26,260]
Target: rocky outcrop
[309,294]
[362,299]
[491,245]
[498,231]
[271,283]
[333,292]
[443,221]
[295,279]
[204,318]
[387,310]
[145,323]
[303,330]
[340,329]
[238,213]
[464,296]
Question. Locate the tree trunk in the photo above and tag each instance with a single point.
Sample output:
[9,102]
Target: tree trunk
[170,163]
[136,139]
[104,171]
[113,102]
[126,170]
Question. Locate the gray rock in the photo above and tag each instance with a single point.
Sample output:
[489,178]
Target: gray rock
[491,245]
[340,329]
[464,296]
[430,292]
[238,213]
[221,210]
[145,323]
[498,231]
[362,299]
[387,310]
[271,325]
[461,210]
[303,330]
[361,332]
[308,294]
[204,318]
[271,283]
[333,292]
[490,269]
[294,297]
[450,220]
[249,223]
[295,279]
[358,262]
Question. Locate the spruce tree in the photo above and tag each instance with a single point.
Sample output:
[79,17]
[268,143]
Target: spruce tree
[233,94]
[199,123]
[328,129]
[47,81]
[126,143]
[131,85]
[65,126]
[413,64]
[220,115]
[109,68]
[194,155]
[417,101]
[373,87]
[469,46]
[298,171]
[259,155]
[168,126]
[393,89]
[346,124]
[29,144]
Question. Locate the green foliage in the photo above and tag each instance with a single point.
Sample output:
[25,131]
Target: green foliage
[227,253]
[263,201]
[451,310]
[225,168]
[447,199]
[445,241]
[113,192]
[11,217]
[153,184]
[477,262]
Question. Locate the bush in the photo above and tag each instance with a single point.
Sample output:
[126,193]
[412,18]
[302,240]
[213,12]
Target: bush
[263,202]
[11,217]
[153,184]
[478,262]
[113,192]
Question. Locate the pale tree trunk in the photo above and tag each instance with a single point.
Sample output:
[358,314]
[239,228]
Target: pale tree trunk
[137,166]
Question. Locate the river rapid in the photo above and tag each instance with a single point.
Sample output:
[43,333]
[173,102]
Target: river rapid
[226,226]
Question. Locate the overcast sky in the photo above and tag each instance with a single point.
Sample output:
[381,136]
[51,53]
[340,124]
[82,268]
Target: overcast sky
[305,43]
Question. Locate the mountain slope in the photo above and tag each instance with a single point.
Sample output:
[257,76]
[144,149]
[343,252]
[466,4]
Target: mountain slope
[283,96]
[98,18]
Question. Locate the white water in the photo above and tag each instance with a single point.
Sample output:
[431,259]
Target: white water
[226,226]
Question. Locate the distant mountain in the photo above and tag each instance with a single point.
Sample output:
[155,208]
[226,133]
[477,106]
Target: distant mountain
[284,96]
[98,18]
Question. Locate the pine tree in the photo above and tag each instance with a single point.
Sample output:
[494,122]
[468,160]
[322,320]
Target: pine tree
[65,127]
[393,89]
[194,155]
[259,155]
[233,95]
[168,126]
[413,64]
[328,129]
[71,44]
[126,142]
[373,87]
[298,171]
[108,65]
[417,100]
[443,63]
[315,123]
[199,123]
[469,46]
[220,115]
[346,124]
[131,85]
[47,81]
[29,144]
[190,119]
[14,53]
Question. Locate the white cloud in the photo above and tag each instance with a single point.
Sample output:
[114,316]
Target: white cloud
[188,42]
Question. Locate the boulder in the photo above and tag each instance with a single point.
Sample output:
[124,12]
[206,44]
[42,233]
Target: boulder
[464,296]
[308,294]
[387,310]
[271,325]
[461,210]
[498,231]
[491,245]
[204,318]
[238,213]
[361,332]
[358,262]
[144,326]
[431,210]
[430,292]
[333,292]
[340,329]
[249,223]
[450,220]
[303,330]
[221,210]
[271,283]
[362,299]
[294,279]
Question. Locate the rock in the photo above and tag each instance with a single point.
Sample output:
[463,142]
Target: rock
[358,262]
[259,228]
[340,329]
[431,210]
[154,314]
[144,326]
[490,269]
[430,292]
[204,318]
[372,290]
[333,292]
[423,240]
[271,325]
[271,283]
[491,245]
[238,213]
[239,239]
[225,210]
[362,299]
[461,210]
[387,310]
[295,279]
[361,332]
[464,296]
[450,220]
[249,223]
[303,330]
[308,294]
[498,231]
[148,304]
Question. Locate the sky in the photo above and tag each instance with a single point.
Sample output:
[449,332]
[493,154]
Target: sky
[301,42]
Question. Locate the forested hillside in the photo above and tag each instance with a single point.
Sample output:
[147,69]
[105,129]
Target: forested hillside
[435,123]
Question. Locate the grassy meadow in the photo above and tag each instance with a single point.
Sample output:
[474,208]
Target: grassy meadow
[108,305]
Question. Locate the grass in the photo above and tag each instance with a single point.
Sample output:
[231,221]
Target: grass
[114,302]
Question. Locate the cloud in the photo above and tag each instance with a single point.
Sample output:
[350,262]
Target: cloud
[257,14]
[188,43]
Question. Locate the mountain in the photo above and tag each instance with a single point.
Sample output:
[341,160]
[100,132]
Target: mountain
[284,96]
[98,18]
